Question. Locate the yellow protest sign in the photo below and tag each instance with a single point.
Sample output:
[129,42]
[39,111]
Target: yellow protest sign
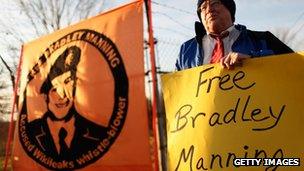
[219,119]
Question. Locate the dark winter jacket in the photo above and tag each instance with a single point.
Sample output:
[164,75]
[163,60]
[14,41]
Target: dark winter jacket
[252,43]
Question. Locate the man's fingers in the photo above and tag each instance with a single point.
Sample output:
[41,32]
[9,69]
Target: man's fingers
[233,59]
[222,62]
[227,61]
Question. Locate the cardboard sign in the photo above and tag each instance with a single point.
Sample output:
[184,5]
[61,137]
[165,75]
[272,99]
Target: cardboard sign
[219,119]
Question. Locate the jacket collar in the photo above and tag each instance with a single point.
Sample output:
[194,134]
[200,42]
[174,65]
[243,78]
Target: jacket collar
[201,32]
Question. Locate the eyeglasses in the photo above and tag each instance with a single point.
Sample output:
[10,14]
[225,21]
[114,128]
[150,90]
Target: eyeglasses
[213,4]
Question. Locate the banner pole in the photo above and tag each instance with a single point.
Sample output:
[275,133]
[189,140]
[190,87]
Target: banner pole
[154,82]
[11,125]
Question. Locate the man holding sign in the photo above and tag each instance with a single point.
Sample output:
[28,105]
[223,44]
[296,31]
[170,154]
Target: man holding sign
[219,119]
[239,119]
[218,39]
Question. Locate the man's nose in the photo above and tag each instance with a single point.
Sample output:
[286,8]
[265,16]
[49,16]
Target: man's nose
[209,8]
[61,94]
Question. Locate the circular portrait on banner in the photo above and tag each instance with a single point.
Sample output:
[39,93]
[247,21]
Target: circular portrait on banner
[75,101]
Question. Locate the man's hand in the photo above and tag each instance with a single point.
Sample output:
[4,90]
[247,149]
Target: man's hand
[233,59]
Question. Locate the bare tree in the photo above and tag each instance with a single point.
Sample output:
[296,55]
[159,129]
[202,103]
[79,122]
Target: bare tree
[48,15]
[24,20]
[4,98]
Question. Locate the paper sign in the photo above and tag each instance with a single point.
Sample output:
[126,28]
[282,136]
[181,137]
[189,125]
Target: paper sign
[215,115]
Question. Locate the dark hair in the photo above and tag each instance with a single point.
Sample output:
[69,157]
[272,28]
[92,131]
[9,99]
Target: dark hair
[229,4]
[60,67]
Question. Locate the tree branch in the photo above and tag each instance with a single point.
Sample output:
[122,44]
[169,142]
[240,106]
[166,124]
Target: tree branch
[12,76]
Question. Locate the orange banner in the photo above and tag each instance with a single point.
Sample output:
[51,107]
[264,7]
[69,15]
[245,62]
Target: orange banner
[82,101]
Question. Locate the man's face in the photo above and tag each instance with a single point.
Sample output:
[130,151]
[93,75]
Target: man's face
[61,95]
[215,16]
